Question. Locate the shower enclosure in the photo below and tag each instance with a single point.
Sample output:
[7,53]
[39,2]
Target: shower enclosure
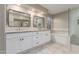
[74,29]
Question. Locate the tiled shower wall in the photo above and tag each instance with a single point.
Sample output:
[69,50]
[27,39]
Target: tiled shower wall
[74,26]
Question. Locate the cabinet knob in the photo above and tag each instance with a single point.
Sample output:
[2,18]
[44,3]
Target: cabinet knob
[21,39]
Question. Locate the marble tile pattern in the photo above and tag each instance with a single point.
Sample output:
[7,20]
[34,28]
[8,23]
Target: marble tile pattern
[55,49]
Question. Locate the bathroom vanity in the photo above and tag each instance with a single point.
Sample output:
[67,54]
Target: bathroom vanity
[22,29]
[18,42]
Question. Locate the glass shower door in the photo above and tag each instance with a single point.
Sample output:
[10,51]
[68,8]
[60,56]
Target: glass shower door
[74,30]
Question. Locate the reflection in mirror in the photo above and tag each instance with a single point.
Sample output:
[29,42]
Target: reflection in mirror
[18,19]
[39,22]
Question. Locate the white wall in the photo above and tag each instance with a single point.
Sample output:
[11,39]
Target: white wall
[60,28]
[2,27]
[61,21]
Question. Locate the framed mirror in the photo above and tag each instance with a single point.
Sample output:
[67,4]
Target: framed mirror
[18,19]
[38,22]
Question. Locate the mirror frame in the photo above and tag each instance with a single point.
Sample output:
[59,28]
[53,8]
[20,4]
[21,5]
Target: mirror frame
[39,17]
[21,23]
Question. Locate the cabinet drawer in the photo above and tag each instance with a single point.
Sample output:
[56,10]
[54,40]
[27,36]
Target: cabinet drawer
[36,43]
[26,34]
[35,33]
[10,36]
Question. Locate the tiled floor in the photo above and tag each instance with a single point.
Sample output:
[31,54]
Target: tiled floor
[54,49]
[50,49]
[75,49]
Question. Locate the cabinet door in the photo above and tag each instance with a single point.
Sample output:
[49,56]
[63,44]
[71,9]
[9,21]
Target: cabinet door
[26,41]
[44,37]
[12,44]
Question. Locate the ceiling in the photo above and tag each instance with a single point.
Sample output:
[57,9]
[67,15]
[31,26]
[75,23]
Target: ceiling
[58,8]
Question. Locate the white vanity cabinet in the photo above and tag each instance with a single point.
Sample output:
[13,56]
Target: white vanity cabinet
[26,40]
[40,38]
[12,43]
[18,42]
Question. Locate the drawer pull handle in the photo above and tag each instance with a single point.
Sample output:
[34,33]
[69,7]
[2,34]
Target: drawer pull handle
[21,39]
